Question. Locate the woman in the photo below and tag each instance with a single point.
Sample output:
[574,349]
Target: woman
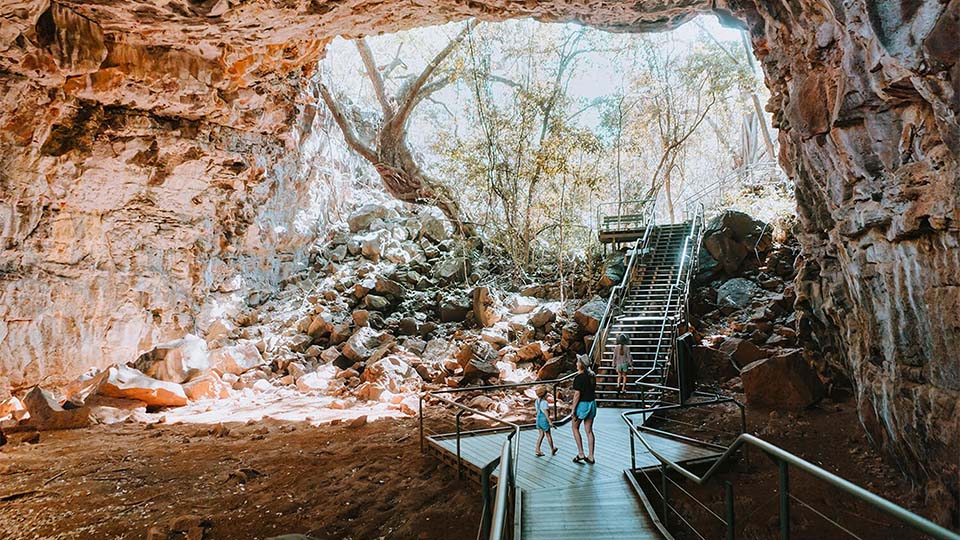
[622,361]
[584,408]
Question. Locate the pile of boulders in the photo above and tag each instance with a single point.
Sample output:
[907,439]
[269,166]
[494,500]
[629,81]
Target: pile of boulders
[392,306]
[742,304]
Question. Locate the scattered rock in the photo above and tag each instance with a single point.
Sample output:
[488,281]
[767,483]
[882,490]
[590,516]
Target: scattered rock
[236,359]
[784,381]
[485,307]
[176,361]
[181,528]
[542,316]
[520,304]
[454,310]
[125,382]
[551,369]
[363,217]
[362,344]
[47,414]
[736,293]
[589,315]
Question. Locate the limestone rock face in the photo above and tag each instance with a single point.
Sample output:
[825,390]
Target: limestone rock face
[147,154]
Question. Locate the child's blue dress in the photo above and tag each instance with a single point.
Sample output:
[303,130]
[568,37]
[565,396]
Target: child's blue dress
[542,408]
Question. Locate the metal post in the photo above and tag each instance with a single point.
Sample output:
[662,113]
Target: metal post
[485,493]
[728,503]
[555,401]
[633,452]
[663,494]
[784,501]
[459,459]
[421,425]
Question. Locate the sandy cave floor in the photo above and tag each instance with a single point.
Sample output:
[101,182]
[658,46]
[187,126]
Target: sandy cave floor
[267,478]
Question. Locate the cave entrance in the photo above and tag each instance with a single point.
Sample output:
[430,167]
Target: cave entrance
[533,134]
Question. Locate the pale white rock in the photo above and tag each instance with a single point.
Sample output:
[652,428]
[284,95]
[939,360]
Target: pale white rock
[125,382]
[175,361]
[519,304]
[236,359]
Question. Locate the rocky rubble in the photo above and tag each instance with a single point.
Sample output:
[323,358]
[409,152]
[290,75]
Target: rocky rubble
[743,303]
[390,306]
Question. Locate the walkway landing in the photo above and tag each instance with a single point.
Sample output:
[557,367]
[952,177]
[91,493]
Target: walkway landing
[562,499]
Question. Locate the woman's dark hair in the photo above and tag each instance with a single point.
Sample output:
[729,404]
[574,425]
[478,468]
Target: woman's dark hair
[622,339]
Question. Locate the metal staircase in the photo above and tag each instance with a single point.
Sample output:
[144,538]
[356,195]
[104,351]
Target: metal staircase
[648,306]
[652,296]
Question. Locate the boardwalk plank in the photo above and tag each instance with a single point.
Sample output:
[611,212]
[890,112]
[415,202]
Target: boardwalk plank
[564,500]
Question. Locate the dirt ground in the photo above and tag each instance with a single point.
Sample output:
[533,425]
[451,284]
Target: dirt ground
[828,435]
[245,482]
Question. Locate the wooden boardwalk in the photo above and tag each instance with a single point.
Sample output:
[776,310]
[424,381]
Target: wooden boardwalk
[562,499]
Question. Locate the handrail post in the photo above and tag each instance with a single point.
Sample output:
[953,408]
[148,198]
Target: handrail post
[421,425]
[663,494]
[784,500]
[459,459]
[555,385]
[633,453]
[730,515]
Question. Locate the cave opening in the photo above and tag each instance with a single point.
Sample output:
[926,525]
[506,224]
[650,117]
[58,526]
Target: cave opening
[186,233]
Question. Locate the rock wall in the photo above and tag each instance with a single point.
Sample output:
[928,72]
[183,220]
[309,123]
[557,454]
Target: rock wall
[142,191]
[147,149]
[867,97]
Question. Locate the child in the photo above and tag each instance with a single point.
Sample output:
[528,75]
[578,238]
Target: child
[543,421]
[622,362]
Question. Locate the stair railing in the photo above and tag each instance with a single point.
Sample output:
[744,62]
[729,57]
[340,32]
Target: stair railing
[784,461]
[683,277]
[617,294]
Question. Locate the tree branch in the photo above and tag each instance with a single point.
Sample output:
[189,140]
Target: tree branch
[408,92]
[349,134]
[370,66]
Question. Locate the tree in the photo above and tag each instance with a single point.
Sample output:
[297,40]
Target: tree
[526,138]
[385,144]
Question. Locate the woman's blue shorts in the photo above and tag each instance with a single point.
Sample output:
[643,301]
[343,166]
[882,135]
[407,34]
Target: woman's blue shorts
[586,410]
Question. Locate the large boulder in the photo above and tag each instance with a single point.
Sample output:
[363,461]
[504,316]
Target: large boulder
[550,369]
[236,359]
[740,352]
[485,307]
[784,381]
[363,217]
[733,235]
[362,344]
[317,381]
[391,373]
[589,315]
[125,382]
[542,316]
[207,386]
[454,309]
[520,304]
[736,293]
[47,414]
[613,273]
[175,361]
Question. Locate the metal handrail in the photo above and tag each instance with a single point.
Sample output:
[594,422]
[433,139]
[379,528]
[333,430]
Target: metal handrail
[784,459]
[640,246]
[694,230]
[498,526]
